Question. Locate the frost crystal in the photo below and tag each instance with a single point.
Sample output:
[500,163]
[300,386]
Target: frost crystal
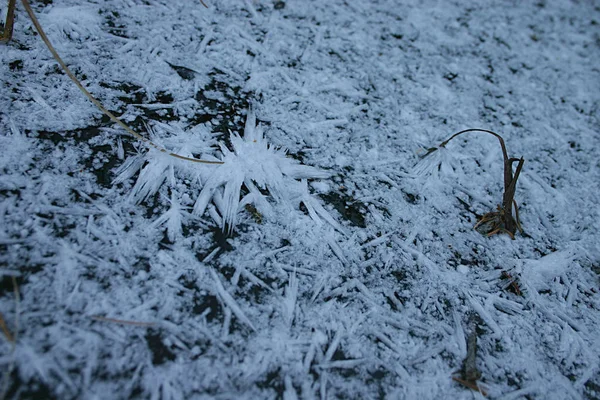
[253,162]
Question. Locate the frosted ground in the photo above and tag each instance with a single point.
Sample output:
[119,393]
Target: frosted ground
[325,258]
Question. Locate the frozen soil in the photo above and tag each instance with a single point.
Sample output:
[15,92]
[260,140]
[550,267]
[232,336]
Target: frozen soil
[325,258]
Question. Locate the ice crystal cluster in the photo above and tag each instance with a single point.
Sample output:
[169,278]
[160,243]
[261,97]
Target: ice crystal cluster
[251,164]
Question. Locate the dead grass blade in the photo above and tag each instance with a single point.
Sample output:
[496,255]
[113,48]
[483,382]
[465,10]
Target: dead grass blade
[8,25]
[502,220]
[469,373]
[122,321]
[5,330]
[96,102]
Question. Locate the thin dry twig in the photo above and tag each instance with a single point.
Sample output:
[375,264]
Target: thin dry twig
[10,19]
[96,102]
[471,385]
[5,330]
[121,321]
[12,338]
[513,283]
[469,373]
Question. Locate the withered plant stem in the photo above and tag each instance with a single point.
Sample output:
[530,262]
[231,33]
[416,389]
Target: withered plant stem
[510,181]
[96,102]
[10,19]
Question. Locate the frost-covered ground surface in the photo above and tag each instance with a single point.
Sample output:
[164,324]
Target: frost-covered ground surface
[348,268]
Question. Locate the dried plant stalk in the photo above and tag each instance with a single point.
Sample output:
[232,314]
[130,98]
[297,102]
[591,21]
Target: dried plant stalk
[8,25]
[502,220]
[5,330]
[121,321]
[469,373]
[7,35]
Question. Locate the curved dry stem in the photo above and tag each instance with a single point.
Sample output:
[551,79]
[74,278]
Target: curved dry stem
[504,152]
[500,221]
[96,102]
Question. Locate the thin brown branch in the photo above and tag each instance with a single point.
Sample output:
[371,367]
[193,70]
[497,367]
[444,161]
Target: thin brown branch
[10,19]
[121,321]
[5,330]
[500,221]
[96,102]
[471,385]
[469,373]
[3,327]
[504,152]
